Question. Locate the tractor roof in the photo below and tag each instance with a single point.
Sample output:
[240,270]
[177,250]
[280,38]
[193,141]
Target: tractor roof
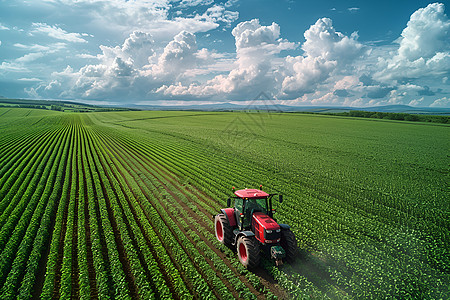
[251,193]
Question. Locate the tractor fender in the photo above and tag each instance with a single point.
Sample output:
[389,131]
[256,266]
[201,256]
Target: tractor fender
[246,233]
[284,226]
[229,213]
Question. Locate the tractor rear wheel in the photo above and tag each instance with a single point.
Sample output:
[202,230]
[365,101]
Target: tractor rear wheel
[248,251]
[289,244]
[224,232]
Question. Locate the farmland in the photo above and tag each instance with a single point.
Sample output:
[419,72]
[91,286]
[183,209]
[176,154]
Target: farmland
[120,204]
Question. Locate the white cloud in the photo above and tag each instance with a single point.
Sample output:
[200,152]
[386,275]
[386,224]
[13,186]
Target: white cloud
[230,3]
[30,79]
[34,47]
[30,57]
[3,27]
[130,70]
[57,33]
[87,56]
[137,48]
[416,102]
[179,55]
[12,67]
[424,47]
[443,102]
[327,52]
[118,18]
[159,57]
[185,3]
[218,13]
[256,46]
[50,48]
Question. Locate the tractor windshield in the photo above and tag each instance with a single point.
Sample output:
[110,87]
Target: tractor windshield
[248,207]
[252,206]
[262,205]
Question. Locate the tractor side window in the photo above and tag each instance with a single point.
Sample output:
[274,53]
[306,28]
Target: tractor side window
[238,204]
[250,206]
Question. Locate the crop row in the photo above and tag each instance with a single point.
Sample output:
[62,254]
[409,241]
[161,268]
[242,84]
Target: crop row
[311,218]
[108,210]
[173,195]
[25,233]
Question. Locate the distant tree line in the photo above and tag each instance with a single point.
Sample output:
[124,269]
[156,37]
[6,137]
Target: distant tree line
[394,116]
[65,107]
[26,106]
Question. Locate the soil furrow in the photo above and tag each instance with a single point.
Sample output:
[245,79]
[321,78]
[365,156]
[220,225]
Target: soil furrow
[136,246]
[59,260]
[75,270]
[148,241]
[172,257]
[120,247]
[118,241]
[90,259]
[265,278]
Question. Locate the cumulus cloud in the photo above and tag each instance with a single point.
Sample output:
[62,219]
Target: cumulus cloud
[218,13]
[256,46]
[160,58]
[424,47]
[137,48]
[178,55]
[122,16]
[132,69]
[442,102]
[416,102]
[57,33]
[326,51]
[259,68]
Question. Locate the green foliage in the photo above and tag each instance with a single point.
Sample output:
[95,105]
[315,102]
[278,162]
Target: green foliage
[123,201]
[395,116]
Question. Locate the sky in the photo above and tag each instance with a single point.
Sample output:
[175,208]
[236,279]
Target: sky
[178,52]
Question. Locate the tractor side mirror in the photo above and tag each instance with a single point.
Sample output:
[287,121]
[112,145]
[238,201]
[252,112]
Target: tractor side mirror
[280,198]
[229,202]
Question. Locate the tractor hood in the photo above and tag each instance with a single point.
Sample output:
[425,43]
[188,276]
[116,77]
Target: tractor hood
[266,222]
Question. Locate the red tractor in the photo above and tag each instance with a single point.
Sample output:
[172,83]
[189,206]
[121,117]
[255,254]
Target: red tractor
[249,226]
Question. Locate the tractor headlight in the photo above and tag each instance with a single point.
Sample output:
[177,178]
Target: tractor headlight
[278,230]
[269,231]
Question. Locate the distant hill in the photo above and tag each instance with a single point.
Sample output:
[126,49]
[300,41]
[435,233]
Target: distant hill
[313,109]
[55,105]
[271,107]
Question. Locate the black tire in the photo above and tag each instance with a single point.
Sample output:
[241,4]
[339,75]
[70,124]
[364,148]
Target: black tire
[248,251]
[289,244]
[224,232]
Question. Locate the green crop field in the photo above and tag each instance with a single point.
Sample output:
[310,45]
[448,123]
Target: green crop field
[120,205]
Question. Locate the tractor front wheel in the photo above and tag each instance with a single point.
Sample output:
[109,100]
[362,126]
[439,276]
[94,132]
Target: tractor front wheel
[289,244]
[248,251]
[224,232]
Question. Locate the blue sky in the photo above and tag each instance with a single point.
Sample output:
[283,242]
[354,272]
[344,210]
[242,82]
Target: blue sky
[340,53]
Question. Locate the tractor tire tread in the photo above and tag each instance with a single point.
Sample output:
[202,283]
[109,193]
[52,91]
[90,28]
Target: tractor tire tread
[227,230]
[289,244]
[253,251]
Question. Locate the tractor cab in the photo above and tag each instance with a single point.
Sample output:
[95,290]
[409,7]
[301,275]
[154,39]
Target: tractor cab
[248,202]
